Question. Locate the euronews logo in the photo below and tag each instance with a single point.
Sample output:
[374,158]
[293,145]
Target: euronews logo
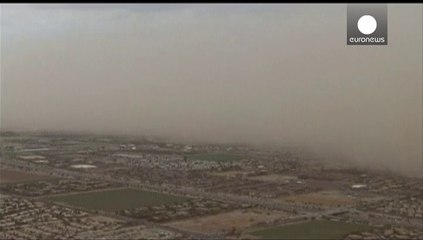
[367,24]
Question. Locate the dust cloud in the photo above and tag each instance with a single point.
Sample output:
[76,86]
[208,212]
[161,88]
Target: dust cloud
[261,74]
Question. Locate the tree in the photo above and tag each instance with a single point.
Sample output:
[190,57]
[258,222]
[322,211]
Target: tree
[232,231]
[238,233]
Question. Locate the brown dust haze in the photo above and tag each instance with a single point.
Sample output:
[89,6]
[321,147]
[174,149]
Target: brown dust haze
[260,74]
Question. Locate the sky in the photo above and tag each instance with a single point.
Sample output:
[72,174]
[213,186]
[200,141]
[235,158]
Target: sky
[263,74]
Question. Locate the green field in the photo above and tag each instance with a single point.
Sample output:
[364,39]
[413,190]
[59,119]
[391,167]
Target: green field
[319,229]
[218,157]
[118,199]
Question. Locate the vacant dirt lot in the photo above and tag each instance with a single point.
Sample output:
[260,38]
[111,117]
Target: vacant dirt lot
[7,176]
[224,222]
[321,199]
[275,178]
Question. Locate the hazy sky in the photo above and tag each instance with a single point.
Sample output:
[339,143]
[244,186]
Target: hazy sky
[281,74]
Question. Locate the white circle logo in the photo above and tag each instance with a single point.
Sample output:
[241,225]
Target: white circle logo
[367,24]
